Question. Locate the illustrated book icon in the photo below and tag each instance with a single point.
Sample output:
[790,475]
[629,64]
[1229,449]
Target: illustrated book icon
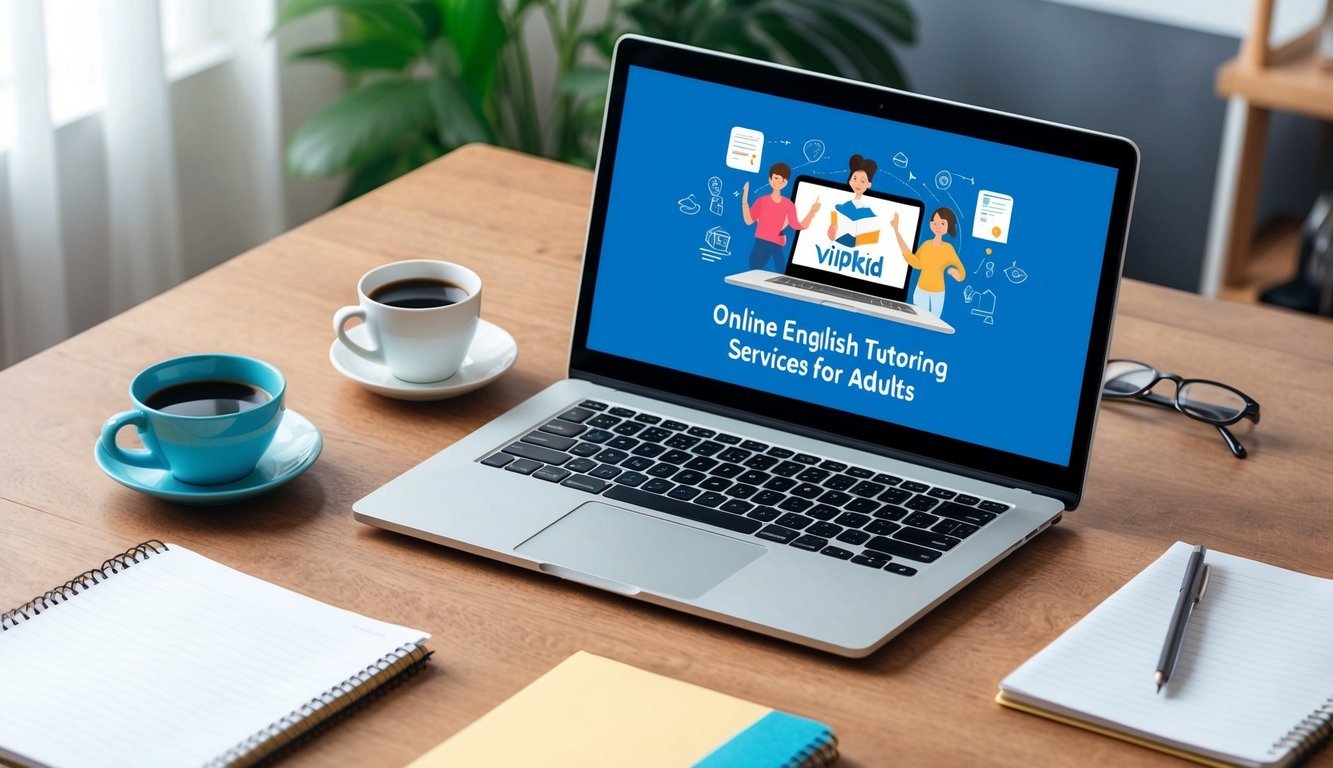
[162,657]
[856,227]
[593,711]
[1253,685]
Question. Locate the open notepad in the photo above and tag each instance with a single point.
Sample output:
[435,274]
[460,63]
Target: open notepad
[163,657]
[1254,683]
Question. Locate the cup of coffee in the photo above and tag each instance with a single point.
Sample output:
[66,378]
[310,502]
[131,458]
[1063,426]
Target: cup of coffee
[421,316]
[206,419]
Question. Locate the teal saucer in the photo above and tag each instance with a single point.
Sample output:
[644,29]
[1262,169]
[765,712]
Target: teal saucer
[295,447]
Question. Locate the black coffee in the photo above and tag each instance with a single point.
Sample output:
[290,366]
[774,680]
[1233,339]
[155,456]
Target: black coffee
[207,398]
[419,293]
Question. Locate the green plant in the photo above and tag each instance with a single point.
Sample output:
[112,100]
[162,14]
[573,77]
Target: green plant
[426,76]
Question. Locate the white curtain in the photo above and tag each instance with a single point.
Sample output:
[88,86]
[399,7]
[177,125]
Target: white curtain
[130,209]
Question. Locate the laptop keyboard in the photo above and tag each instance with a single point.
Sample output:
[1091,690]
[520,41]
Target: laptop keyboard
[772,493]
[843,293]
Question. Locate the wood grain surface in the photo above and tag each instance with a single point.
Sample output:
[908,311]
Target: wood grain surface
[926,698]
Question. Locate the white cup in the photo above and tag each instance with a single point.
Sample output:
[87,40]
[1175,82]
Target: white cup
[419,345]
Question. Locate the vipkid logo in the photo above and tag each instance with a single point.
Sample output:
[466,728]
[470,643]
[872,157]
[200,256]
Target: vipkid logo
[850,261]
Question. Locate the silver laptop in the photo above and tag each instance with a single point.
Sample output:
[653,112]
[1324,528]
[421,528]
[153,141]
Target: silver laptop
[858,263]
[782,465]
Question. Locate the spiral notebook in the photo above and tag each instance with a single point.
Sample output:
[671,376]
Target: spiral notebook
[1254,683]
[162,657]
[593,711]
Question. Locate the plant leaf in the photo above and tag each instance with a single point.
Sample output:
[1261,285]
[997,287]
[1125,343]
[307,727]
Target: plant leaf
[366,54]
[894,18]
[873,62]
[801,50]
[584,81]
[295,9]
[360,125]
[458,119]
[389,166]
[477,33]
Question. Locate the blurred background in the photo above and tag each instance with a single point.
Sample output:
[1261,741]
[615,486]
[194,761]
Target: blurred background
[145,141]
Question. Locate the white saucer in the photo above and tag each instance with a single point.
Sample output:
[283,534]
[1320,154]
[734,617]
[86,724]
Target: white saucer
[493,352]
[295,447]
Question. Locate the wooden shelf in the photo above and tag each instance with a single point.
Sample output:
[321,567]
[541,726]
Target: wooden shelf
[1272,260]
[1294,79]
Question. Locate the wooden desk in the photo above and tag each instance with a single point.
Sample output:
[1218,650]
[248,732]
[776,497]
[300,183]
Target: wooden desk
[923,699]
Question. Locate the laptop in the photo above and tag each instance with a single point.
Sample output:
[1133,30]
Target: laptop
[792,468]
[857,264]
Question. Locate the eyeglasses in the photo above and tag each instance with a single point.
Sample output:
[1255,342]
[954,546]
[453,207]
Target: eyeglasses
[1208,401]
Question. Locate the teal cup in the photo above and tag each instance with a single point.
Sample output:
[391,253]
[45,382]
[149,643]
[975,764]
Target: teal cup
[211,449]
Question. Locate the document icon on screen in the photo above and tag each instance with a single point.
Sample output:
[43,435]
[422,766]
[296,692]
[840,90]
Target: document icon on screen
[745,151]
[994,212]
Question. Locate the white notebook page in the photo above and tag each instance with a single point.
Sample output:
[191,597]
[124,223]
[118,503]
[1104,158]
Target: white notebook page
[171,662]
[1257,659]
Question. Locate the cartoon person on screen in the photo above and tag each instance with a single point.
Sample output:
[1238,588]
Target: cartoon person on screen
[861,171]
[770,215]
[935,258]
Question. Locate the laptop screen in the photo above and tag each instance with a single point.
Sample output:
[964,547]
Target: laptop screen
[1003,245]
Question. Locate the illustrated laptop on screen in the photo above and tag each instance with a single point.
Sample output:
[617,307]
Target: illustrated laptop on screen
[777,462]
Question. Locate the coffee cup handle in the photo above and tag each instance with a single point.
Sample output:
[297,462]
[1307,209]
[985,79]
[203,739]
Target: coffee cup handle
[146,458]
[340,319]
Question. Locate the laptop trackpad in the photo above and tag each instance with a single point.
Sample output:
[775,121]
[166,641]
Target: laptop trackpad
[628,549]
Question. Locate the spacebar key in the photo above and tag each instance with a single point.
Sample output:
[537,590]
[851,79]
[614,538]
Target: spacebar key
[681,509]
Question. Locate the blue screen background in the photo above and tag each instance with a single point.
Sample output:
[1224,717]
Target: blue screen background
[1012,384]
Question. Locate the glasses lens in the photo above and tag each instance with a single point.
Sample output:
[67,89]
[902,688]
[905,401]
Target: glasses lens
[1125,377]
[1210,401]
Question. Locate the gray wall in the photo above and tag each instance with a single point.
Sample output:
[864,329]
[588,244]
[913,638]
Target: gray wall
[1150,82]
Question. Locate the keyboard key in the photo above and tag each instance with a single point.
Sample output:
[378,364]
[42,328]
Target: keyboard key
[715,484]
[927,539]
[867,489]
[710,499]
[823,512]
[649,449]
[954,528]
[755,445]
[726,470]
[781,453]
[683,492]
[563,428]
[707,448]
[767,498]
[683,509]
[835,498]
[701,463]
[497,460]
[881,527]
[632,479]
[994,506]
[795,504]
[622,443]
[915,487]
[546,440]
[611,456]
[921,503]
[654,434]
[603,421]
[536,453]
[965,514]
[890,512]
[585,449]
[786,468]
[807,491]
[742,491]
[623,413]
[777,533]
[580,465]
[674,425]
[963,498]
[683,442]
[606,472]
[872,559]
[810,543]
[813,475]
[840,482]
[627,428]
[736,507]
[662,470]
[585,483]
[832,466]
[658,485]
[734,455]
[760,462]
[903,549]
[887,479]
[793,520]
[675,457]
[763,514]
[577,415]
[895,496]
[648,418]
[855,538]
[837,552]
[701,432]
[852,520]
[920,520]
[753,477]
[942,493]
[728,439]
[597,435]
[900,569]
[689,477]
[551,474]
[593,405]
[805,458]
[780,484]
[864,506]
[637,463]
[825,529]
[860,472]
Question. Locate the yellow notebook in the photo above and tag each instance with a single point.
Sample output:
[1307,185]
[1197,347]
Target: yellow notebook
[592,711]
[1253,686]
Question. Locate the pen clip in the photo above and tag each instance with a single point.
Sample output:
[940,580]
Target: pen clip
[1207,573]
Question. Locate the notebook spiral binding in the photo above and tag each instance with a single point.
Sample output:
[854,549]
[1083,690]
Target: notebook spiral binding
[83,582]
[820,753]
[1308,735]
[329,708]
